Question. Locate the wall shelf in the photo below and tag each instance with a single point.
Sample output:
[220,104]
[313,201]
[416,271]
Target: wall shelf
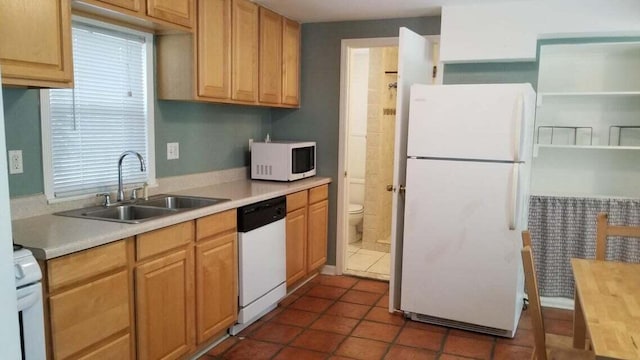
[585,94]
[537,147]
[588,99]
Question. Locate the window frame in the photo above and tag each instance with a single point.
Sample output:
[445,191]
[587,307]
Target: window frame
[45,116]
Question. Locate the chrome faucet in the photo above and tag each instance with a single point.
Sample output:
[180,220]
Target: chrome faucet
[142,168]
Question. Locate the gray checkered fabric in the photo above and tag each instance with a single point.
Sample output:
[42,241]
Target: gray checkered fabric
[565,227]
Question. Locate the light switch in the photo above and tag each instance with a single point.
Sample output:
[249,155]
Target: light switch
[173,151]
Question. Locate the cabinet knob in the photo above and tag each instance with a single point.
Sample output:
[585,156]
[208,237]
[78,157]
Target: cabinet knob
[390,188]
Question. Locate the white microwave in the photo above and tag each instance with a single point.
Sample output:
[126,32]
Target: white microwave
[283,160]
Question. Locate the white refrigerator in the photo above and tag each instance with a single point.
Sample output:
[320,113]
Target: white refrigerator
[468,158]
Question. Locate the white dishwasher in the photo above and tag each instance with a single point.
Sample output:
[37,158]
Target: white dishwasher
[261,260]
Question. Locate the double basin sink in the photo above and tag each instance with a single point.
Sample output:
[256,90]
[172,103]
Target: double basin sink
[143,210]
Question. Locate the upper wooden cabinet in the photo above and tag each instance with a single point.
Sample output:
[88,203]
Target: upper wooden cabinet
[213,49]
[239,54]
[290,62]
[152,14]
[35,49]
[270,83]
[174,11]
[244,51]
[133,5]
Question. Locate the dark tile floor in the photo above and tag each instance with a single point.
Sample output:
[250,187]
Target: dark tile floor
[341,317]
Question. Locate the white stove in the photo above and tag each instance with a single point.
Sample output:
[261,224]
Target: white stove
[30,309]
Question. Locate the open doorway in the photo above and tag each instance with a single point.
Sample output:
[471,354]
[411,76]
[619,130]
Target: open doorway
[367,134]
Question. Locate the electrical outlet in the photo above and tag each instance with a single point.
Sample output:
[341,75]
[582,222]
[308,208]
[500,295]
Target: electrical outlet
[173,151]
[250,143]
[15,162]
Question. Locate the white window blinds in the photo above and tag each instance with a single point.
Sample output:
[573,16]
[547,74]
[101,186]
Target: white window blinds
[104,114]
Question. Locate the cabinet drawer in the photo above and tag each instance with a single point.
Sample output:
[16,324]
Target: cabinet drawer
[161,240]
[318,194]
[296,200]
[88,314]
[117,349]
[215,224]
[85,264]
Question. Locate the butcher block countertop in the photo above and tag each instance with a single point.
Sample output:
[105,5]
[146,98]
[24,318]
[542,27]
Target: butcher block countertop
[50,236]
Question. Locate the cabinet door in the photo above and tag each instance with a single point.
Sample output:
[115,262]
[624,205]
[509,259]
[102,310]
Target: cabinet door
[89,314]
[244,44]
[214,48]
[290,62]
[296,245]
[36,42]
[116,349]
[133,5]
[174,11]
[270,83]
[216,285]
[317,235]
[164,306]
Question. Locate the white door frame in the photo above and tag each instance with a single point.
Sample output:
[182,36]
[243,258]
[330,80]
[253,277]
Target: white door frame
[342,222]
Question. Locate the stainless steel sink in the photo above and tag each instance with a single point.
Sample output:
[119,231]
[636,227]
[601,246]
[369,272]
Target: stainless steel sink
[180,202]
[132,214]
[143,210]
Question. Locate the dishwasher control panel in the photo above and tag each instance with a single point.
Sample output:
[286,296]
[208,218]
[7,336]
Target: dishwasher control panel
[253,216]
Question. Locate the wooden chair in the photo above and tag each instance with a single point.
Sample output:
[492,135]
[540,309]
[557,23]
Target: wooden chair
[547,346]
[605,230]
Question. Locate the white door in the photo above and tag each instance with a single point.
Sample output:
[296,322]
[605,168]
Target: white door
[461,242]
[414,67]
[470,121]
[9,331]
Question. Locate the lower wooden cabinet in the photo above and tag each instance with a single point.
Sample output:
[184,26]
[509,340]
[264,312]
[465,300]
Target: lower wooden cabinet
[88,297]
[296,245]
[216,284]
[307,216]
[317,235]
[216,274]
[164,292]
[164,306]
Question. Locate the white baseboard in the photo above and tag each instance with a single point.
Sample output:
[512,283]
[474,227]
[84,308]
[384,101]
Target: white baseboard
[328,270]
[557,302]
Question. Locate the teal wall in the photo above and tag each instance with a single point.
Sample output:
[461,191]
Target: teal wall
[22,131]
[491,73]
[318,117]
[211,136]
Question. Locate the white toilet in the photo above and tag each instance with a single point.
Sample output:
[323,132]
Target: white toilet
[356,214]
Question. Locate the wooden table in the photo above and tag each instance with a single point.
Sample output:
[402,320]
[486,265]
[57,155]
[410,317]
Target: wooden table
[607,304]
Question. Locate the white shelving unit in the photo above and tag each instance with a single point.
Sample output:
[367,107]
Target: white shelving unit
[588,120]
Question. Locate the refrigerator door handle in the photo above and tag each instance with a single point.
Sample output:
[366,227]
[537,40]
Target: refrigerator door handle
[518,125]
[513,204]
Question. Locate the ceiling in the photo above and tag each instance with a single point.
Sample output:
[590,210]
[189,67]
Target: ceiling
[307,11]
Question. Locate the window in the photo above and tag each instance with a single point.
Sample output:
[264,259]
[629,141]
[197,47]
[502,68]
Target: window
[109,111]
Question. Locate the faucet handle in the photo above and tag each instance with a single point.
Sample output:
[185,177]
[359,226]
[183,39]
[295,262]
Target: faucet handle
[134,193]
[107,198]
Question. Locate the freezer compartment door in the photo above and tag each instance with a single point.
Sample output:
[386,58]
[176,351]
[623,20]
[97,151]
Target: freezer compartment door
[461,251]
[492,122]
